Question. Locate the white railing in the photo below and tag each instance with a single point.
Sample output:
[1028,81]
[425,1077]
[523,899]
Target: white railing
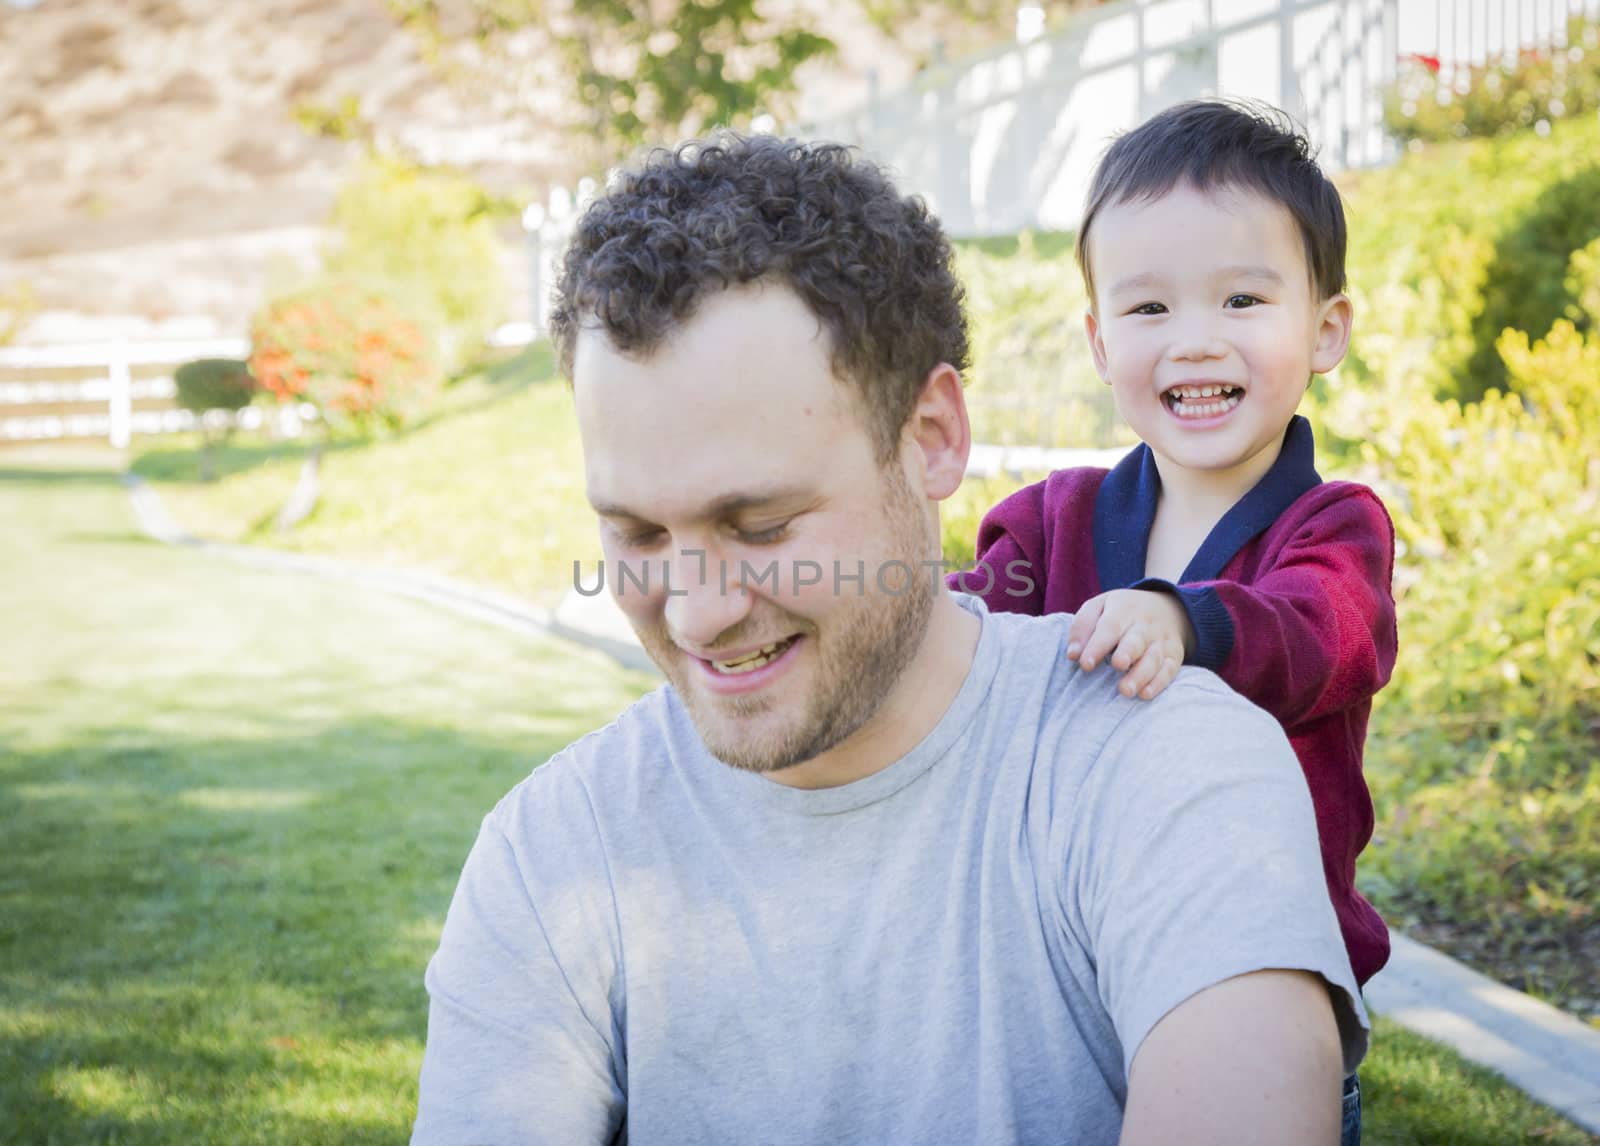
[1458,35]
[1008,140]
[113,388]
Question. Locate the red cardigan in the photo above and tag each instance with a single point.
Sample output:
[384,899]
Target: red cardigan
[1291,602]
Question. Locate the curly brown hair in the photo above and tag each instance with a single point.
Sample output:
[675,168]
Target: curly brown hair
[873,266]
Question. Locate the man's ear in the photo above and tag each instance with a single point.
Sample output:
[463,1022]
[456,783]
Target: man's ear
[1097,346]
[1333,334]
[939,432]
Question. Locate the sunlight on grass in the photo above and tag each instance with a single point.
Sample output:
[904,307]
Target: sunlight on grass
[490,492]
[99,1089]
[248,799]
[72,791]
[234,806]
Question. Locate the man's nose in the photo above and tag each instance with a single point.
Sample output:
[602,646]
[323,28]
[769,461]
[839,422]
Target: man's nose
[704,598]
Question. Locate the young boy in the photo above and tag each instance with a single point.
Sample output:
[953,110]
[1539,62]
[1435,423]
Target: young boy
[1213,250]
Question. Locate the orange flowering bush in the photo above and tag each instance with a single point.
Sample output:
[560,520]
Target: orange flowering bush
[362,361]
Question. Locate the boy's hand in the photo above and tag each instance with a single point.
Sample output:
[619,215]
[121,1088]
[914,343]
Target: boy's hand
[1145,633]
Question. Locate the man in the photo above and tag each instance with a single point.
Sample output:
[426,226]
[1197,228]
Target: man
[876,865]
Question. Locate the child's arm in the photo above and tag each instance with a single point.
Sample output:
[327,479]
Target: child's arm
[1009,570]
[1315,632]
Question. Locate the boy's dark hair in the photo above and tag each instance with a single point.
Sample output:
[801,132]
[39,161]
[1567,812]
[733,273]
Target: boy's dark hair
[1213,144]
[873,266]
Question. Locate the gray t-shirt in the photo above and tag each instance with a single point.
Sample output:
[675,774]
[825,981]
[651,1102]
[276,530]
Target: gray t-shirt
[965,947]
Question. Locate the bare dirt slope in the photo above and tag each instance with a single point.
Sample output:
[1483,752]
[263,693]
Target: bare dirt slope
[137,137]
[154,158]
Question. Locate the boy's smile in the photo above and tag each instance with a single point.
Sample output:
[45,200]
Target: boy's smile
[1207,327]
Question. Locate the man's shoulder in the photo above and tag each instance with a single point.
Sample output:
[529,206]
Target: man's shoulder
[599,766]
[1197,723]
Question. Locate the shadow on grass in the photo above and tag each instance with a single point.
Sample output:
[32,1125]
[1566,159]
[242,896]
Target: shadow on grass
[223,941]
[45,475]
[173,462]
[535,363]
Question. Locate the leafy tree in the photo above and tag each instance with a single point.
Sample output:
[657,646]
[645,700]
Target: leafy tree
[651,71]
[641,71]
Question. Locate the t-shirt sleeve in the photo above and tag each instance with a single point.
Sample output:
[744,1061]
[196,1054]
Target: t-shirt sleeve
[1193,858]
[523,1039]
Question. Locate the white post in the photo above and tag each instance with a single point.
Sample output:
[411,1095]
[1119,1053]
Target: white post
[121,399]
[533,217]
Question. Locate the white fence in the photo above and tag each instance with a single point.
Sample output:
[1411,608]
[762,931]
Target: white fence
[1462,34]
[107,397]
[1008,140]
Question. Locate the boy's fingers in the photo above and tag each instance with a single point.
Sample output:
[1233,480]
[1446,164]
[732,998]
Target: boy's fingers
[1142,671]
[1134,644]
[1165,676]
[1100,643]
[1083,626]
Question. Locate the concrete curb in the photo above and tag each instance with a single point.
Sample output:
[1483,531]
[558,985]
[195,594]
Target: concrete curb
[1545,1052]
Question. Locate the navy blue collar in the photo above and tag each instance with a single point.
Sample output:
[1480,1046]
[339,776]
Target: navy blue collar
[1125,509]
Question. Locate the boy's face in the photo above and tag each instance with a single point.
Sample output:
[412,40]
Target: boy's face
[1207,327]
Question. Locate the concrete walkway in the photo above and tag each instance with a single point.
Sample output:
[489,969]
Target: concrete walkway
[1545,1052]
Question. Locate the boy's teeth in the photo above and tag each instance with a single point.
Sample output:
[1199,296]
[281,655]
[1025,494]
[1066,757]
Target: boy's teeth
[1190,408]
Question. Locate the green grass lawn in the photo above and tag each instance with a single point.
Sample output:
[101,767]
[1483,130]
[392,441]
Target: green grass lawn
[234,805]
[489,490]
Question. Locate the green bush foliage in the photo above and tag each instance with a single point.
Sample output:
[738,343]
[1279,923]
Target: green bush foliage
[363,362]
[423,238]
[1032,380]
[962,513]
[1497,98]
[214,384]
[1482,751]
[1440,265]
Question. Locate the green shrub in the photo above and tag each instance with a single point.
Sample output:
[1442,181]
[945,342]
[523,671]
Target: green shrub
[1438,268]
[214,384]
[1583,285]
[1500,97]
[362,361]
[1482,749]
[423,238]
[1032,380]
[1525,287]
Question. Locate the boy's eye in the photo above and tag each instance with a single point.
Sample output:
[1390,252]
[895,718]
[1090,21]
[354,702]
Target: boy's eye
[1241,301]
[1149,308]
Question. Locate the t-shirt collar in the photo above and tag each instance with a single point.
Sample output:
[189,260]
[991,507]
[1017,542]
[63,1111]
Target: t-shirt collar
[935,746]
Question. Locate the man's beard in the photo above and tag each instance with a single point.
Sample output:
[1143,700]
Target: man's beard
[857,656]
